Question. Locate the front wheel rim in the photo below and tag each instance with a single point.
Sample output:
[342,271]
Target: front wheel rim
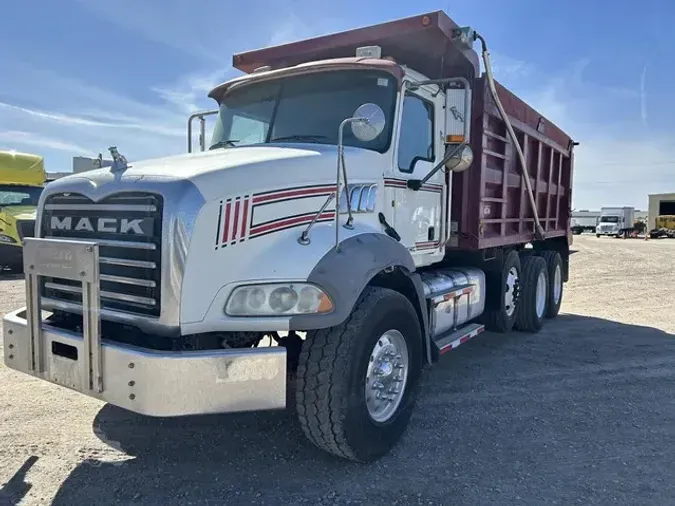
[387,376]
[541,294]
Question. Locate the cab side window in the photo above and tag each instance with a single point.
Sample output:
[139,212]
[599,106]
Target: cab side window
[416,141]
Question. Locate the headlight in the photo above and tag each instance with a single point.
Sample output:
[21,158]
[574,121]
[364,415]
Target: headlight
[277,299]
[7,239]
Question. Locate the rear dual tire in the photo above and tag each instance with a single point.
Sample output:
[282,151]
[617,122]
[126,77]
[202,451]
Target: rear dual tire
[535,294]
[554,266]
[503,294]
[514,298]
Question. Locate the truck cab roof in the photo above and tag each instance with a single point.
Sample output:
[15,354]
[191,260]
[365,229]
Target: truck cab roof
[309,67]
[21,168]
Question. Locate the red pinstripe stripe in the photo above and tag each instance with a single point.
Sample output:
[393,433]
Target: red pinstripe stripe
[280,224]
[236,218]
[244,217]
[293,193]
[226,225]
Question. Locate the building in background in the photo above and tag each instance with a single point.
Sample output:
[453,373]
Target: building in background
[81,164]
[84,163]
[660,204]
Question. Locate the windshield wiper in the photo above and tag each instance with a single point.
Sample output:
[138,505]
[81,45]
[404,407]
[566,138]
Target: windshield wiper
[301,137]
[224,144]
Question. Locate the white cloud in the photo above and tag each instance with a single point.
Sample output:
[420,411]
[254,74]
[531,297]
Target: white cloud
[615,163]
[13,137]
[83,119]
[643,95]
[189,93]
[77,114]
[506,68]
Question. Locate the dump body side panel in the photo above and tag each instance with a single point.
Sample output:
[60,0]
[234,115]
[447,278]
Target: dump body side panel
[490,206]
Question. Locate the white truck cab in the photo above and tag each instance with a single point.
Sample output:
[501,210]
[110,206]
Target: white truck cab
[616,221]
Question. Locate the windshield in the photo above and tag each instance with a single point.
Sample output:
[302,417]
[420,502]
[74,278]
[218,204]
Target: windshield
[304,108]
[18,195]
[609,219]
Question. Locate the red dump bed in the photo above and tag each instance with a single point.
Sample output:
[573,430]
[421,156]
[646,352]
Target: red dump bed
[489,206]
[489,201]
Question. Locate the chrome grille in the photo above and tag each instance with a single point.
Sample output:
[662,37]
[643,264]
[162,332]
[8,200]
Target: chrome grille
[25,228]
[128,229]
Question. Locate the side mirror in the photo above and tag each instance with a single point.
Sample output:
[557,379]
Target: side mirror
[370,122]
[460,161]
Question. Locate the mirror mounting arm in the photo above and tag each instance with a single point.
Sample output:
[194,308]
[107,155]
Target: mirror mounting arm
[341,168]
[416,184]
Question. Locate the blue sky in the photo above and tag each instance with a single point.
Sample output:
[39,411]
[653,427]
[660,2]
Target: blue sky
[77,76]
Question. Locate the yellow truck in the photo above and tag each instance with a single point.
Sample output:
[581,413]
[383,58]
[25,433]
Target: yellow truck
[22,178]
[664,227]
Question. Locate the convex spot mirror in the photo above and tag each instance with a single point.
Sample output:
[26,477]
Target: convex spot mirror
[461,160]
[371,124]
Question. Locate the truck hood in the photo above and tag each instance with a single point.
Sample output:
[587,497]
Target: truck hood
[19,212]
[249,168]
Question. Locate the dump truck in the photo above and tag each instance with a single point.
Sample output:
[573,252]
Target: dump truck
[22,176]
[367,203]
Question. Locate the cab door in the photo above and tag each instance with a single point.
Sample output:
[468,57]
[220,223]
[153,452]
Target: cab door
[418,214]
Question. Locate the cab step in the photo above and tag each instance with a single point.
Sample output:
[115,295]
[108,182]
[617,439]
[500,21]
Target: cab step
[453,339]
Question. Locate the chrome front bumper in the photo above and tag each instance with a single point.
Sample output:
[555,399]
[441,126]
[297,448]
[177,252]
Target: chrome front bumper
[145,381]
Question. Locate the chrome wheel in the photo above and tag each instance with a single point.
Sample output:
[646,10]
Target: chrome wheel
[541,294]
[511,288]
[557,285]
[387,376]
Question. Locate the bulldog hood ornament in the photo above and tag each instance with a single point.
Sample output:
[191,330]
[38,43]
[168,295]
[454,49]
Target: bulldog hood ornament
[119,163]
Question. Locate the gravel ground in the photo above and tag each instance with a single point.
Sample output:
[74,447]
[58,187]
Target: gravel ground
[581,413]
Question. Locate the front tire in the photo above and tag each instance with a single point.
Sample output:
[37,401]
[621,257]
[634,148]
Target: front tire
[534,298]
[347,372]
